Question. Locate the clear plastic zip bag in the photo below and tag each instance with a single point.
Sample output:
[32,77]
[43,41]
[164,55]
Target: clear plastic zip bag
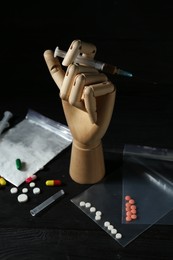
[148,179]
[35,141]
[106,197]
[152,192]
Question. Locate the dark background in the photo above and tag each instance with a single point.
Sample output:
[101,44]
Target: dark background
[134,35]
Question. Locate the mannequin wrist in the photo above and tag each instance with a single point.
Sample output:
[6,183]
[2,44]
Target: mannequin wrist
[87,163]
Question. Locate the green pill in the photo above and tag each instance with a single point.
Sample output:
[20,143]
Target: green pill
[18,164]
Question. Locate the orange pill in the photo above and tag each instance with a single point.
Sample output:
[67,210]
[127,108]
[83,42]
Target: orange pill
[128,208]
[133,211]
[128,204]
[133,206]
[132,201]
[133,216]
[128,218]
[128,213]
[127,197]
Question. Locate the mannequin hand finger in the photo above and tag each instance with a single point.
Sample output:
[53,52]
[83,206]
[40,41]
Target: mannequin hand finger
[79,47]
[54,67]
[82,80]
[72,71]
[90,94]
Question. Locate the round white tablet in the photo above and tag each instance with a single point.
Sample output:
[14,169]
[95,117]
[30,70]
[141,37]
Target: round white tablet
[36,190]
[25,190]
[118,236]
[106,223]
[97,217]
[114,231]
[14,190]
[32,184]
[87,204]
[22,198]
[82,203]
[110,227]
[92,209]
[98,213]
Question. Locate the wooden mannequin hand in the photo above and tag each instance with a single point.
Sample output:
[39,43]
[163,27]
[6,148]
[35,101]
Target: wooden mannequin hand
[88,101]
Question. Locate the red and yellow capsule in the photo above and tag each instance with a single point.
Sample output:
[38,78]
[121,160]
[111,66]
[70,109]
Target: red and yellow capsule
[53,183]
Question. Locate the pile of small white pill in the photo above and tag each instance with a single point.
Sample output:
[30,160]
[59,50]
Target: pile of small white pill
[23,197]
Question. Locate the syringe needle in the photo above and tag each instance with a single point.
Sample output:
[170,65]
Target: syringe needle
[96,64]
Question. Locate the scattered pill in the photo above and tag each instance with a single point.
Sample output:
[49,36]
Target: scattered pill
[128,218]
[87,204]
[53,182]
[106,223]
[127,198]
[118,236]
[113,231]
[25,190]
[133,211]
[22,198]
[32,184]
[36,190]
[92,209]
[128,205]
[132,201]
[98,213]
[134,216]
[14,190]
[31,178]
[18,164]
[128,213]
[133,207]
[2,181]
[97,217]
[128,209]
[110,227]
[82,203]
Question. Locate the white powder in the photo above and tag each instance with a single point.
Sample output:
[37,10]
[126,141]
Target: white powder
[34,145]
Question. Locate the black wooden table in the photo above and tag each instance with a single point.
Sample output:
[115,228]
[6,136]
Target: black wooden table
[137,38]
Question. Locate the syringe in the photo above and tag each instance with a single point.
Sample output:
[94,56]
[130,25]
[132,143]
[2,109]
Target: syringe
[107,68]
[4,122]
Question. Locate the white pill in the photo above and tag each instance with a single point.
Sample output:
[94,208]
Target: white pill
[92,209]
[97,217]
[32,184]
[36,190]
[98,213]
[87,204]
[110,227]
[118,236]
[82,203]
[107,223]
[113,231]
[22,198]
[25,190]
[14,190]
